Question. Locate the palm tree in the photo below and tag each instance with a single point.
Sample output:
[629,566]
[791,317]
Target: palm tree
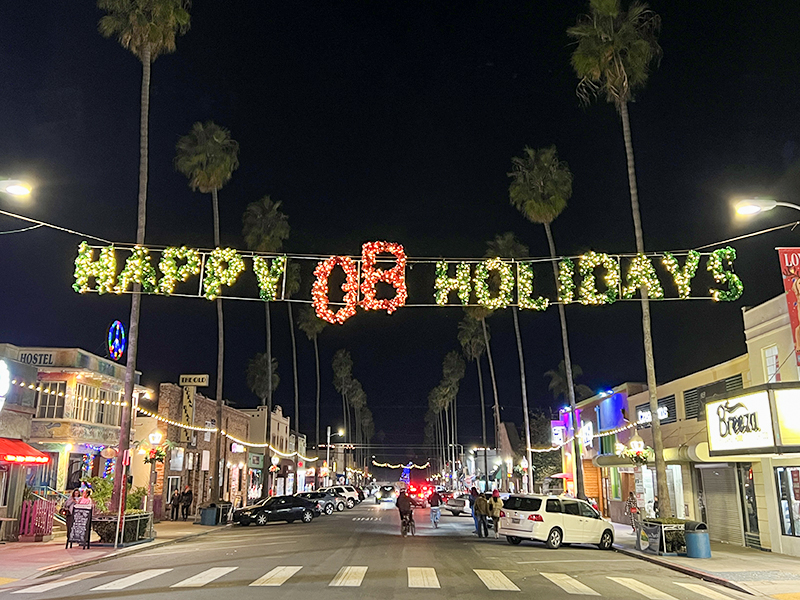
[342,379]
[509,246]
[148,28]
[292,286]
[310,324]
[612,59]
[540,187]
[473,344]
[264,228]
[558,382]
[260,371]
[208,157]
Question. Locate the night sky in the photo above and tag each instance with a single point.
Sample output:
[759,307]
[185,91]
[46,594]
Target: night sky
[396,121]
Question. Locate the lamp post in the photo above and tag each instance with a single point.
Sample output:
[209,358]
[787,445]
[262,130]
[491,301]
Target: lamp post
[154,439]
[752,206]
[340,433]
[15,187]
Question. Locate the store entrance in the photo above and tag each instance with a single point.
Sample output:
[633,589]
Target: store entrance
[747,490]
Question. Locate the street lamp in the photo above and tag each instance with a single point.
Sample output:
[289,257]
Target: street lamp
[340,433]
[752,206]
[15,187]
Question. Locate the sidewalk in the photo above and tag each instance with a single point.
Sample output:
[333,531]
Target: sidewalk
[744,569]
[20,560]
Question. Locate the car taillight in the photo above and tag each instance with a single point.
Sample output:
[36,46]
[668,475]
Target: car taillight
[502,513]
[537,518]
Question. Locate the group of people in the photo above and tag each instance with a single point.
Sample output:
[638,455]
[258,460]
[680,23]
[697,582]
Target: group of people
[77,497]
[180,502]
[483,508]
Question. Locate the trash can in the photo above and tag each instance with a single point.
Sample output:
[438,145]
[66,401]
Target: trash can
[208,515]
[698,544]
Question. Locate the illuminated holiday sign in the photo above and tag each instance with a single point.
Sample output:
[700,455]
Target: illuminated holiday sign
[377,279]
[740,424]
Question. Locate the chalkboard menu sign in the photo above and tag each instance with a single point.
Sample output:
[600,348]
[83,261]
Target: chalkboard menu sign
[81,527]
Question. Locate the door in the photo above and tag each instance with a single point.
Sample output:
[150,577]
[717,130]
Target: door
[283,509]
[573,522]
[593,525]
[721,500]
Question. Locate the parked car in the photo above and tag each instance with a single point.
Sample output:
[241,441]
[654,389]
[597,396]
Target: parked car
[385,493]
[278,508]
[554,521]
[348,491]
[458,505]
[360,493]
[328,503]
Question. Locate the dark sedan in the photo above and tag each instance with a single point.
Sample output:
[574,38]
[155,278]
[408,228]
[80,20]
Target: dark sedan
[328,503]
[277,508]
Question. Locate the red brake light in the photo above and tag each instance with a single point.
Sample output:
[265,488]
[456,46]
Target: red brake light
[537,518]
[502,513]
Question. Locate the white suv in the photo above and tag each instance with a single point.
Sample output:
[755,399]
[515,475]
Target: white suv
[348,491]
[554,520]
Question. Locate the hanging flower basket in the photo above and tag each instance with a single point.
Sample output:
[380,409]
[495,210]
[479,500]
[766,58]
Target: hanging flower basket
[155,455]
[638,457]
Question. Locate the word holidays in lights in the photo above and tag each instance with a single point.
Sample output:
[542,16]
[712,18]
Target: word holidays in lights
[591,279]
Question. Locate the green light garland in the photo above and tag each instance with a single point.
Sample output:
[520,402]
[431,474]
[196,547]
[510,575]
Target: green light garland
[716,264]
[223,267]
[683,277]
[103,270]
[505,294]
[642,274]
[137,270]
[269,274]
[445,284]
[566,284]
[588,290]
[525,289]
[173,273]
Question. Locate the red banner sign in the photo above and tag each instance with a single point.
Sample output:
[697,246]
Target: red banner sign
[790,269]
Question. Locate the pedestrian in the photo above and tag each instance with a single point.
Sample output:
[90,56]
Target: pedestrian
[86,499]
[186,501]
[175,504]
[655,507]
[495,506]
[435,502]
[66,509]
[632,510]
[473,495]
[482,509]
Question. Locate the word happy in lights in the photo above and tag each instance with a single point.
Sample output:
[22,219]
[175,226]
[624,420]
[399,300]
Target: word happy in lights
[593,279]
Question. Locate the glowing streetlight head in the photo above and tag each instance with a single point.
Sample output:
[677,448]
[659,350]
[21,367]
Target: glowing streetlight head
[752,206]
[15,187]
[156,437]
[340,432]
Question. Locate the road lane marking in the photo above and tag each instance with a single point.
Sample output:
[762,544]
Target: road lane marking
[205,577]
[577,560]
[569,584]
[349,577]
[51,585]
[125,582]
[645,590]
[704,591]
[278,576]
[171,550]
[422,577]
[495,580]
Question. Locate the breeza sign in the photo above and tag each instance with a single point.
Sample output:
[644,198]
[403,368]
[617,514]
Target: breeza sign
[741,425]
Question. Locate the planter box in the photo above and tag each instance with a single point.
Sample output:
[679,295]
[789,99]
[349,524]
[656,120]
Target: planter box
[664,539]
[135,528]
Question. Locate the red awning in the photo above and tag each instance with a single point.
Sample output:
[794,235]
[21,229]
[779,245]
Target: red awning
[18,452]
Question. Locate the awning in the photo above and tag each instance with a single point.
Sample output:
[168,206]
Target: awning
[18,452]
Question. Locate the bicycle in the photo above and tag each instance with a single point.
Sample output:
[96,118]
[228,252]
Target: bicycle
[436,513]
[407,525]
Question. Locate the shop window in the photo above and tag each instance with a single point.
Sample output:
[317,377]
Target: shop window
[3,485]
[608,444]
[772,364]
[788,482]
[50,400]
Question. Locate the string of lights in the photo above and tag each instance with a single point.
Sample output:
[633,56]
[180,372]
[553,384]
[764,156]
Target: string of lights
[399,466]
[594,437]
[158,417]
[271,448]
[37,387]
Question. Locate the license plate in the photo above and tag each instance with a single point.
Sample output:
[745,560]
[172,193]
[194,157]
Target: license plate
[515,521]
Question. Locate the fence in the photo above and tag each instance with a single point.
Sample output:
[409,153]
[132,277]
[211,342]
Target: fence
[36,520]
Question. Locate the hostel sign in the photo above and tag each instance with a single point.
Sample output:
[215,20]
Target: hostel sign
[377,279]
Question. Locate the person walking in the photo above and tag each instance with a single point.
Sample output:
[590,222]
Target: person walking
[66,509]
[473,495]
[186,501]
[495,506]
[482,509]
[175,504]
[85,501]
[435,502]
[632,510]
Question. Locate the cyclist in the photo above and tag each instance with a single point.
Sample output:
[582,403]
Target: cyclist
[435,501]
[404,506]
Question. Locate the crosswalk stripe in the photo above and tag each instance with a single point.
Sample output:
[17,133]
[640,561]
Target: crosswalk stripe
[422,577]
[278,576]
[205,577]
[349,577]
[496,580]
[51,585]
[704,591]
[645,590]
[569,584]
[125,582]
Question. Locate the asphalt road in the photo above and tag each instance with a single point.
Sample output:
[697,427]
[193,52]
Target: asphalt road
[359,553]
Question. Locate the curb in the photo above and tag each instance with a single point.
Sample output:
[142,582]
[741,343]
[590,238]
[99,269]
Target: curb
[126,552]
[685,570]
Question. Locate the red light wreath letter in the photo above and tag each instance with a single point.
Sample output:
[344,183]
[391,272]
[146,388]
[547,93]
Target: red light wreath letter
[396,276]
[319,291]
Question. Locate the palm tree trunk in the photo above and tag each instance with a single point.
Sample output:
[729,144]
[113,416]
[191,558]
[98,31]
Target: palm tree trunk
[455,436]
[296,388]
[665,504]
[494,388]
[120,489]
[220,360]
[562,314]
[483,424]
[267,480]
[525,414]
[319,383]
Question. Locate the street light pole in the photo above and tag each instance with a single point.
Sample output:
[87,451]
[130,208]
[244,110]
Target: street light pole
[752,206]
[328,457]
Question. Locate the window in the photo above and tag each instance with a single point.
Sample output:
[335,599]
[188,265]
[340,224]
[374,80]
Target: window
[571,507]
[608,444]
[50,400]
[3,485]
[588,511]
[772,364]
[553,506]
[788,481]
[527,504]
